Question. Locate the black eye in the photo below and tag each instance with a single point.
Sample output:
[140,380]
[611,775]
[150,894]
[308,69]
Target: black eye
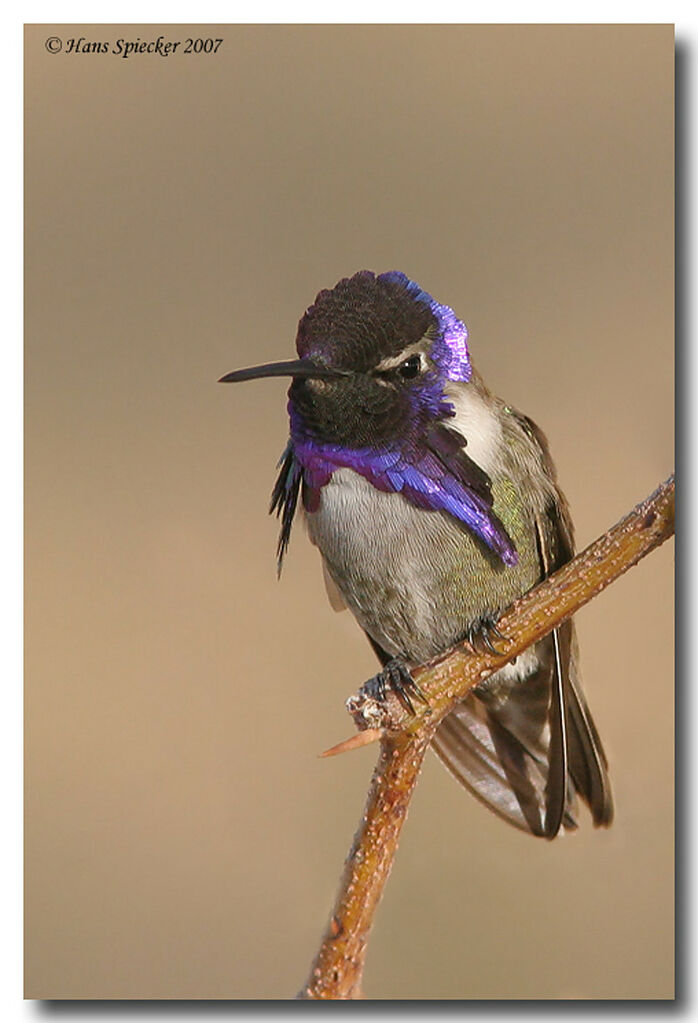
[411,367]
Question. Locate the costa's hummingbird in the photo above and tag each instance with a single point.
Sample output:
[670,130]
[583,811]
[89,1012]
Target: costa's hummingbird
[434,505]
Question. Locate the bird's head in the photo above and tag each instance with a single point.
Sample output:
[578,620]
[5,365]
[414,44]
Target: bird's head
[375,353]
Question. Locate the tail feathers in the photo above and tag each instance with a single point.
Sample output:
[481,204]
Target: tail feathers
[527,748]
[588,765]
[557,782]
[491,764]
[494,766]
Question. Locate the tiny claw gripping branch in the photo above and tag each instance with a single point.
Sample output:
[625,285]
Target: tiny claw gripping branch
[371,705]
[480,636]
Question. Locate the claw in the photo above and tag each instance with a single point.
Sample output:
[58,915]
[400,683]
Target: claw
[403,685]
[472,637]
[496,632]
[488,644]
[478,636]
[395,676]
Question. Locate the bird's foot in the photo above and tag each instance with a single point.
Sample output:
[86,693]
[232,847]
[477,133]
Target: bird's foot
[396,678]
[479,635]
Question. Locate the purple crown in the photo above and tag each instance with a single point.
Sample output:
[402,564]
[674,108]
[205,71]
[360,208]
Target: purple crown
[450,348]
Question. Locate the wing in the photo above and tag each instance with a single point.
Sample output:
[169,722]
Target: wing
[585,761]
[527,747]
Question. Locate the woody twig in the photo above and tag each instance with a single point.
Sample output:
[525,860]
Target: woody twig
[337,969]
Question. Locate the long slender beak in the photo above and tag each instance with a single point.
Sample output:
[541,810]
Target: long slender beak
[303,368]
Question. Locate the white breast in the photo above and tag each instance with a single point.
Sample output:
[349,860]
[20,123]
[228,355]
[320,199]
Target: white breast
[393,564]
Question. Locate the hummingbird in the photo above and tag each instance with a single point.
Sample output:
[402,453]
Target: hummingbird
[434,505]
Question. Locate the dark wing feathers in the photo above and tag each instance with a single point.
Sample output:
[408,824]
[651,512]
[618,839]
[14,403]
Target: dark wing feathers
[527,748]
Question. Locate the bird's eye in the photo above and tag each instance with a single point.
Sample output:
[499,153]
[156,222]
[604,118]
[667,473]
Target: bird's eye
[411,367]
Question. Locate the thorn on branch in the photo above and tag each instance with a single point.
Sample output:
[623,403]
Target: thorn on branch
[363,738]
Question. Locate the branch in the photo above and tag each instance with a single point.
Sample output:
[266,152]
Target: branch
[337,969]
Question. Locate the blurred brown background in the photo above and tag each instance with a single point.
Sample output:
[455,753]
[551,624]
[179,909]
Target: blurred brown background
[183,839]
